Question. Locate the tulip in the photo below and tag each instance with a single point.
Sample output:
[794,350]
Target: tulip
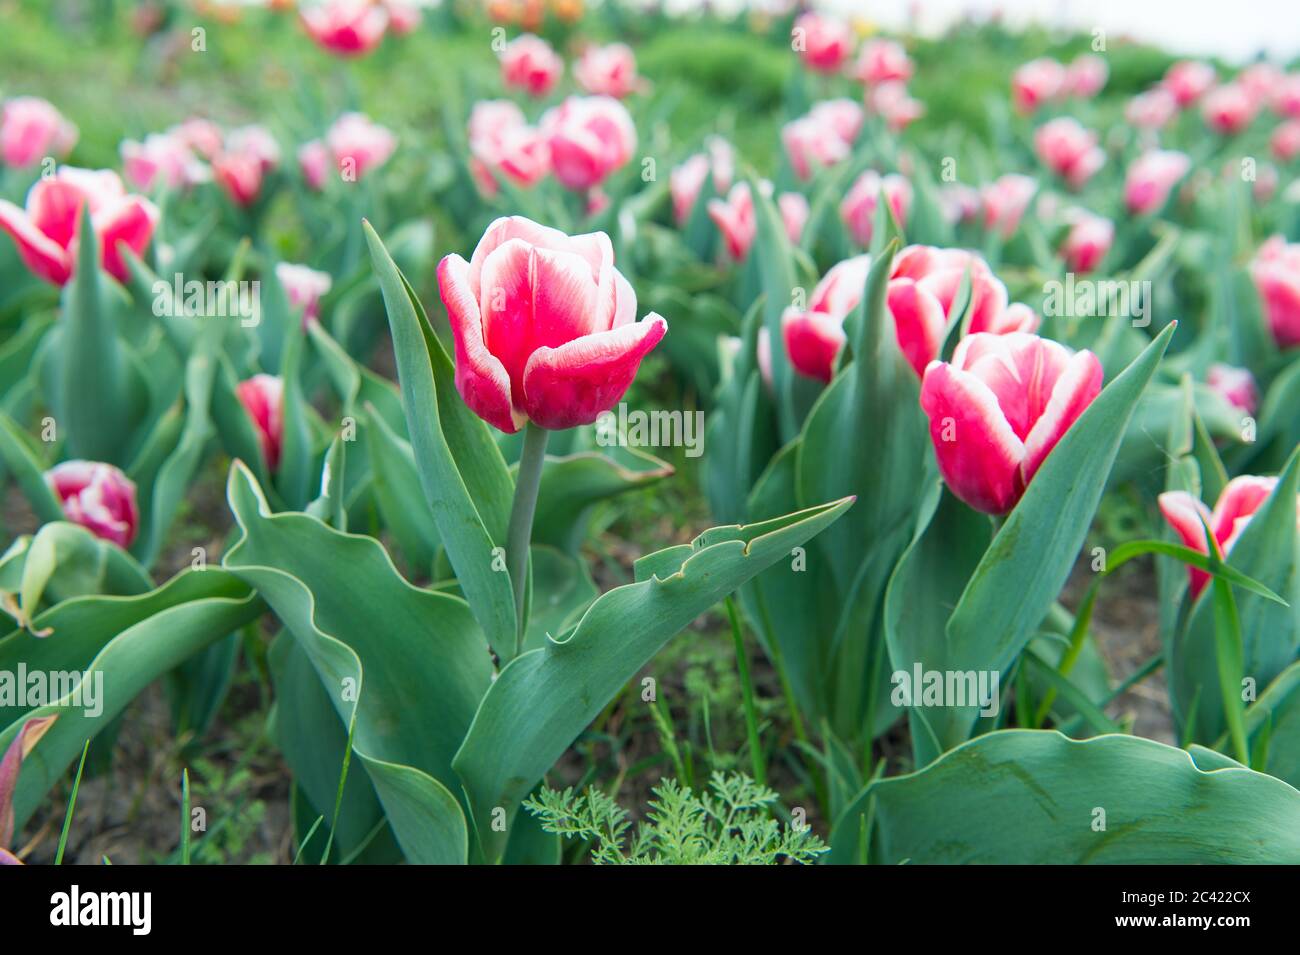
[46,230]
[1087,242]
[1228,109]
[812,144]
[858,208]
[1285,141]
[345,28]
[1238,502]
[263,399]
[403,16]
[961,203]
[239,175]
[589,138]
[1276,271]
[359,145]
[257,143]
[813,337]
[825,43]
[304,287]
[314,162]
[32,129]
[1152,109]
[162,159]
[1069,150]
[1234,385]
[686,180]
[97,496]
[1150,179]
[202,136]
[1188,81]
[528,63]
[999,408]
[842,117]
[1005,201]
[544,325]
[1260,82]
[940,273]
[734,217]
[794,214]
[1035,83]
[1286,97]
[883,61]
[608,71]
[1086,76]
[892,102]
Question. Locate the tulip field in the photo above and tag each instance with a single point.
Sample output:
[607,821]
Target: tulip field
[546,432]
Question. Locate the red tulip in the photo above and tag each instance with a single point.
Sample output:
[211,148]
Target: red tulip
[528,63]
[1005,201]
[686,179]
[1152,109]
[97,496]
[32,129]
[1228,109]
[345,27]
[304,287]
[46,230]
[813,337]
[545,326]
[825,43]
[1285,140]
[263,399]
[883,61]
[358,145]
[1276,271]
[1035,83]
[999,408]
[1151,177]
[608,71]
[589,138]
[1069,150]
[1188,81]
[858,208]
[1087,242]
[1237,504]
[1086,76]
[1234,385]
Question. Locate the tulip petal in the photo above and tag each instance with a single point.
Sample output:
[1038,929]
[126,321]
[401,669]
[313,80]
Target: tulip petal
[1184,514]
[571,385]
[1072,393]
[1240,499]
[129,222]
[812,341]
[481,379]
[918,322]
[45,257]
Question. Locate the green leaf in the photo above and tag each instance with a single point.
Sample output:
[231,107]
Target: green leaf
[65,560]
[23,463]
[574,483]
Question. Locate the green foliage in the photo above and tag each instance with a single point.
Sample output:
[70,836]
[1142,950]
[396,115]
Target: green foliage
[728,825]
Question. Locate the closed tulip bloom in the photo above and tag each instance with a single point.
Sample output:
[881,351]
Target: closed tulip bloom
[858,208]
[545,326]
[1276,271]
[883,61]
[1188,81]
[941,273]
[1285,141]
[1035,83]
[589,138]
[97,496]
[314,163]
[813,337]
[1228,109]
[1069,150]
[1286,97]
[240,176]
[812,144]
[1085,76]
[304,287]
[202,136]
[841,116]
[734,217]
[1152,109]
[1087,241]
[894,104]
[794,214]
[999,408]
[358,145]
[1235,385]
[32,129]
[1239,501]
[528,63]
[404,16]
[686,179]
[824,43]
[257,143]
[1260,81]
[608,71]
[263,399]
[1005,201]
[1151,178]
[46,230]
[162,159]
[345,28]
[960,202]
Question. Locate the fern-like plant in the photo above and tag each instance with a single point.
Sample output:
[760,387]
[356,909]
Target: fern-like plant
[728,825]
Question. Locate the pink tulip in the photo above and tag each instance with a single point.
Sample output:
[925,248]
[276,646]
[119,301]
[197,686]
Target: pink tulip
[794,214]
[734,217]
[257,142]
[858,208]
[500,140]
[1152,109]
[1151,178]
[263,399]
[97,496]
[686,180]
[825,43]
[1234,385]
[1188,81]
[239,175]
[1036,83]
[941,272]
[1239,501]
[528,63]
[202,136]
[1087,242]
[1085,76]
[883,61]
[1228,109]
[608,71]
[403,16]
[304,287]
[545,326]
[46,230]
[811,145]
[999,408]
[842,117]
[345,27]
[1005,201]
[1276,271]
[359,145]
[1285,141]
[589,138]
[162,159]
[32,129]
[314,162]
[813,337]
[961,203]
[1260,82]
[1286,97]
[1069,150]
[894,104]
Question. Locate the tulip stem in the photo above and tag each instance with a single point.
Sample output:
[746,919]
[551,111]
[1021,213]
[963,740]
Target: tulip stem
[520,532]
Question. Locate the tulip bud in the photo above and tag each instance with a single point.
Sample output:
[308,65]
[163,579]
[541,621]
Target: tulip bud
[608,71]
[346,28]
[1276,271]
[1234,385]
[97,496]
[1069,150]
[31,129]
[1036,83]
[824,43]
[1151,177]
[304,287]
[589,138]
[528,63]
[263,399]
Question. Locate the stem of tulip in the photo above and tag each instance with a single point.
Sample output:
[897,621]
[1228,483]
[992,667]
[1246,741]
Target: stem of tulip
[519,535]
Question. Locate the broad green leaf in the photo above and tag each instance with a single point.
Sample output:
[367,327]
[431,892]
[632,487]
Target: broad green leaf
[65,560]
[21,460]
[572,484]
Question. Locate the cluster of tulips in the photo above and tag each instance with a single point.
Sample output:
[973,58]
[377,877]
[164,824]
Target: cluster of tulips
[913,418]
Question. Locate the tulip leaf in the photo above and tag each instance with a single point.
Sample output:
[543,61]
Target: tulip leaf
[572,484]
[396,483]
[775,263]
[65,560]
[544,698]
[21,459]
[1037,797]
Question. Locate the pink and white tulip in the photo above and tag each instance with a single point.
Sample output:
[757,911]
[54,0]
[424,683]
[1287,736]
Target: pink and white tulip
[1235,385]
[162,159]
[1151,178]
[1285,141]
[263,399]
[883,61]
[1005,201]
[501,141]
[814,336]
[589,137]
[1069,150]
[811,145]
[32,129]
[1035,83]
[529,63]
[345,28]
[359,145]
[1276,271]
[97,496]
[1228,109]
[686,179]
[1188,81]
[304,287]
[1151,110]
[1286,98]
[794,211]
[895,105]
[858,208]
[1087,242]
[608,71]
[1086,76]
[545,326]
[824,43]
